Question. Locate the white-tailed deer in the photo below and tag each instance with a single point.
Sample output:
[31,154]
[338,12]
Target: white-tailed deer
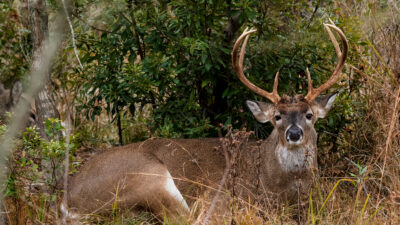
[162,173]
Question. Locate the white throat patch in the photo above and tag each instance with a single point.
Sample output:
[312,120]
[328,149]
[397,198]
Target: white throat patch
[295,160]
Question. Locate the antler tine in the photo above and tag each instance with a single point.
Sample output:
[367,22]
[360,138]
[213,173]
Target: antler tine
[237,62]
[310,87]
[313,93]
[332,37]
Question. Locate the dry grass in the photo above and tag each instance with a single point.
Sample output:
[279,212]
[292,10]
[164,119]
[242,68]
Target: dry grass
[369,149]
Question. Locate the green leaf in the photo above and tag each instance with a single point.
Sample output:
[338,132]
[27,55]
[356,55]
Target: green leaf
[205,83]
[208,66]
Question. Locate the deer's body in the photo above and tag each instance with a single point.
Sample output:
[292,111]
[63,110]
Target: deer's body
[145,165]
[160,173]
[191,162]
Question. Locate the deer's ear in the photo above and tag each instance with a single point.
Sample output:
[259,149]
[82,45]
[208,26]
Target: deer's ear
[262,111]
[323,104]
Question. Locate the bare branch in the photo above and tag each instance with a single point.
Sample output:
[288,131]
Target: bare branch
[66,166]
[72,34]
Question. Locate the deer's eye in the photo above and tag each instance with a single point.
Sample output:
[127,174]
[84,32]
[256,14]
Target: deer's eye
[277,117]
[309,116]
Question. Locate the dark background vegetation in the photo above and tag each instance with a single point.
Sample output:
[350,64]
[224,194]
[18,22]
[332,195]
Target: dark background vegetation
[175,57]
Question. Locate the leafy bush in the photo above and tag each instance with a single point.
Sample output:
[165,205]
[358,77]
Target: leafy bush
[176,56]
[27,164]
[14,45]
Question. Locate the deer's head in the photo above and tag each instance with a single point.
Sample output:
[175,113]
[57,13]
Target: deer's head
[293,117]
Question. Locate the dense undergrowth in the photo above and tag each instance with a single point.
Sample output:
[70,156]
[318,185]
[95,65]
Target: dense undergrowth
[358,181]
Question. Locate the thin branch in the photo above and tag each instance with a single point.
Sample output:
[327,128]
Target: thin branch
[92,26]
[314,13]
[72,34]
[389,139]
[232,146]
[221,184]
[141,49]
[66,165]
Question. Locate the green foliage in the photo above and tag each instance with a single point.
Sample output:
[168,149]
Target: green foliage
[361,172]
[3,129]
[35,150]
[14,45]
[176,56]
[171,60]
[53,128]
[11,190]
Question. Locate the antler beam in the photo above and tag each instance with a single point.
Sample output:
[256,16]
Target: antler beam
[237,62]
[313,93]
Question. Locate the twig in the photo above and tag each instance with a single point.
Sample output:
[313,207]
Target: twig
[314,13]
[66,166]
[139,38]
[7,212]
[72,34]
[393,4]
[363,185]
[92,26]
[216,197]
[221,184]
[231,145]
[370,79]
[389,139]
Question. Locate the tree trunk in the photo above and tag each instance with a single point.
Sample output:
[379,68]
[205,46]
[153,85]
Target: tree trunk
[45,108]
[220,104]
[119,127]
[44,102]
[38,23]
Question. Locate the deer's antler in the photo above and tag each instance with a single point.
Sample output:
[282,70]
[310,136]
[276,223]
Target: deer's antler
[237,61]
[313,93]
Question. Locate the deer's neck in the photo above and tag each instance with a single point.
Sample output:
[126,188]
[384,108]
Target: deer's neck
[295,159]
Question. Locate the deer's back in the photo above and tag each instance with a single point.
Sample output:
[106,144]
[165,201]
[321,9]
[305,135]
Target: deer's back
[194,162]
[196,165]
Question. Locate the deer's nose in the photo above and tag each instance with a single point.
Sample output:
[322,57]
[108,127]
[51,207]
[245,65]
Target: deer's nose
[294,133]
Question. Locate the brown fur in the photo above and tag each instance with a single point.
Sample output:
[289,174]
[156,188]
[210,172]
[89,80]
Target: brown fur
[137,171]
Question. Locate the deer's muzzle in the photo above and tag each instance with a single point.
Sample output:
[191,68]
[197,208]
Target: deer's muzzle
[294,134]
